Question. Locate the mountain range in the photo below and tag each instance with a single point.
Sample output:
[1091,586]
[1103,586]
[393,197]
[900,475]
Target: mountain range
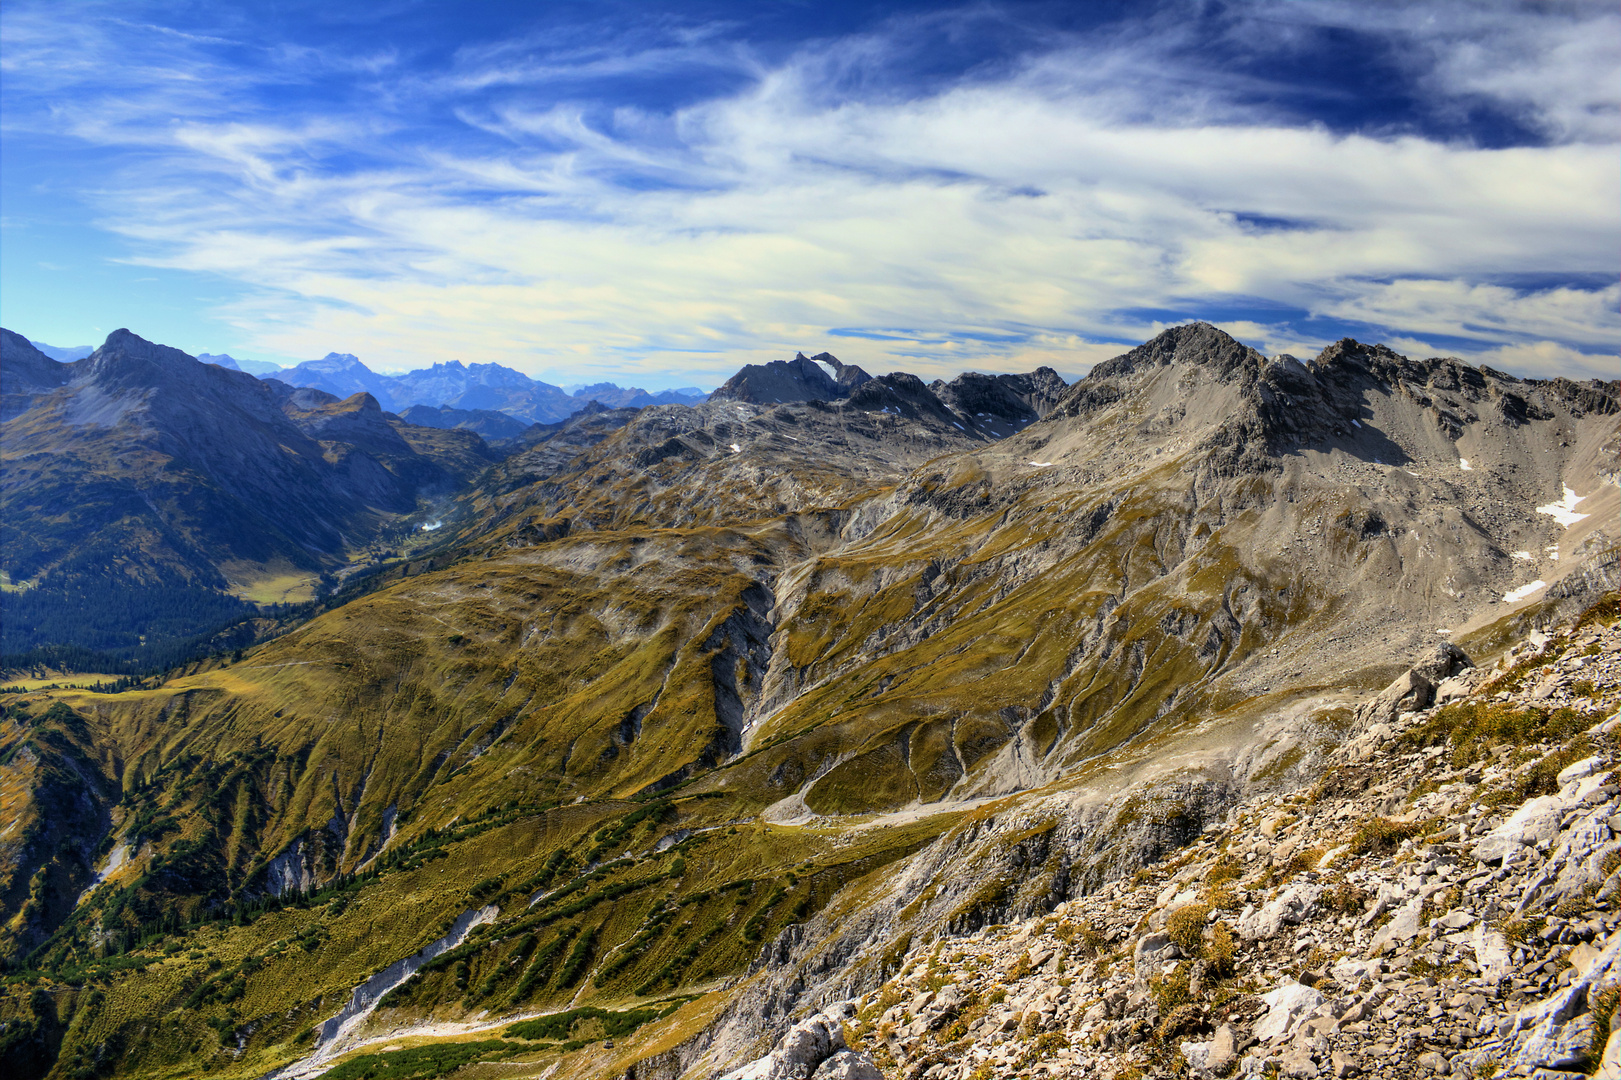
[148,494]
[224,360]
[469,388]
[457,386]
[691,721]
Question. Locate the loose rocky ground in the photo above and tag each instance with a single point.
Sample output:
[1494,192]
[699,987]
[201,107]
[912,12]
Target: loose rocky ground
[1444,901]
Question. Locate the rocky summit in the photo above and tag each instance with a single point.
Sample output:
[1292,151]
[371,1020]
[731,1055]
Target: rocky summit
[1214,715]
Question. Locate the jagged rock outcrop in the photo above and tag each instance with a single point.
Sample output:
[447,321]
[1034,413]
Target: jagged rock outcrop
[813,1049]
[780,381]
[1332,930]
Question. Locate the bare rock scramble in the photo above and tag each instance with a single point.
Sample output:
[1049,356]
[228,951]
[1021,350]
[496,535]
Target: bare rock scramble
[1443,901]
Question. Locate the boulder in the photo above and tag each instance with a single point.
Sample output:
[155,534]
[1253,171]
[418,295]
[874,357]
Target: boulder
[802,1050]
[1444,661]
[1456,919]
[1491,955]
[1151,951]
[1223,1050]
[945,1006]
[1409,693]
[1197,1055]
[1580,770]
[1436,1063]
[1287,1006]
[1534,824]
[848,1065]
[1297,1064]
[1402,927]
[1416,688]
[1294,904]
[1453,689]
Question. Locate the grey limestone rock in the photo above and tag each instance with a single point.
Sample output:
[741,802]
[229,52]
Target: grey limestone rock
[801,1052]
[1152,950]
[848,1065]
[1223,1050]
[1287,1005]
[1291,906]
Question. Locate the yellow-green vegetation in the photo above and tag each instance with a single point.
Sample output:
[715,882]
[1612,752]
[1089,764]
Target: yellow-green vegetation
[1221,952]
[1172,990]
[422,1062]
[1185,927]
[267,970]
[1602,1003]
[1346,897]
[295,588]
[1472,729]
[1382,836]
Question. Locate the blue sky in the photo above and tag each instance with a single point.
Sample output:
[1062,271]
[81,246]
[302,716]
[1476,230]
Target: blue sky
[658,193]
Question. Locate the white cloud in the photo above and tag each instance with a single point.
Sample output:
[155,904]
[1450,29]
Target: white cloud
[1534,359]
[999,223]
[1552,66]
[1487,312]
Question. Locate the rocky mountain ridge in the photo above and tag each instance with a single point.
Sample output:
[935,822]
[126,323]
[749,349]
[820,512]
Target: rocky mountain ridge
[141,468]
[722,710]
[1442,901]
[468,388]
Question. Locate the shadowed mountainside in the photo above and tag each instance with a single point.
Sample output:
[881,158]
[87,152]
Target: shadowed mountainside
[140,478]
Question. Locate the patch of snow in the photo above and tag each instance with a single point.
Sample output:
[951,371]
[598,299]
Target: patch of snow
[958,426]
[1564,511]
[1039,464]
[736,449]
[1463,463]
[1553,552]
[1523,556]
[432,526]
[1355,423]
[1514,596]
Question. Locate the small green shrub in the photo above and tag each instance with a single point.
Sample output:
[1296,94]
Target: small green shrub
[1221,954]
[1185,927]
[1382,836]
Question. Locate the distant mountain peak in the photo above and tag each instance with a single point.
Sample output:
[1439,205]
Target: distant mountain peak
[62,354]
[344,359]
[780,381]
[261,368]
[124,352]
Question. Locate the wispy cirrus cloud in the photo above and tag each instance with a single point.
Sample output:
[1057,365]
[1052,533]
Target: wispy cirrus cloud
[623,200]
